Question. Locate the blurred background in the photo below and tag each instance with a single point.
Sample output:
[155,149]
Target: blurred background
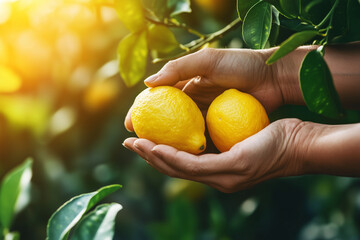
[63,102]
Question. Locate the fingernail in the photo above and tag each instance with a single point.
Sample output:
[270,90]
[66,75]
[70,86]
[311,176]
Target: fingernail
[151,79]
[127,147]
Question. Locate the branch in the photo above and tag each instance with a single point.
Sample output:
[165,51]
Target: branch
[173,23]
[196,44]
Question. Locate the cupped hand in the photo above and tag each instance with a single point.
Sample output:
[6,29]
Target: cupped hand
[270,153]
[207,73]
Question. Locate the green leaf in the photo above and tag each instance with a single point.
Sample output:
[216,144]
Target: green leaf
[12,188]
[132,55]
[275,27]
[70,213]
[179,6]
[243,6]
[288,8]
[317,86]
[161,39]
[156,9]
[98,224]
[131,14]
[291,7]
[290,44]
[257,25]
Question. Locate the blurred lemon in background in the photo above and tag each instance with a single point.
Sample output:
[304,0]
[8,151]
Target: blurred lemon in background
[100,95]
[166,115]
[218,8]
[9,80]
[233,116]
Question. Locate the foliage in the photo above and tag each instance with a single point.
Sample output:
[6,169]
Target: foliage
[260,28]
[14,196]
[98,224]
[66,104]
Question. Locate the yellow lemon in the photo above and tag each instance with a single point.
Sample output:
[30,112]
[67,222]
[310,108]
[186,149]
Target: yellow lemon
[166,115]
[100,95]
[234,116]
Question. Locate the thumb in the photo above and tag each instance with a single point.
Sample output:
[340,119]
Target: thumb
[196,64]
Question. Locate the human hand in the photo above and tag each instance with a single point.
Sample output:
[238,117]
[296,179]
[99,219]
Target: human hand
[206,74]
[270,153]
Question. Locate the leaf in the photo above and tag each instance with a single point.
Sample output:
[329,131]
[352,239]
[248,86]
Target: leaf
[98,224]
[179,6]
[296,25]
[132,54]
[291,7]
[12,187]
[156,9]
[131,14]
[290,44]
[317,86]
[72,211]
[161,39]
[243,7]
[257,25]
[288,8]
[275,27]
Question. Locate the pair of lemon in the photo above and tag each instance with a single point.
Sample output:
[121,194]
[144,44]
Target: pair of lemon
[166,115]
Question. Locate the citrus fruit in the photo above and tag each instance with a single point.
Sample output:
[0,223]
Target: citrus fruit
[166,115]
[233,116]
[100,95]
[217,7]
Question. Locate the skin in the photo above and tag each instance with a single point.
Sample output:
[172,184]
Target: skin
[287,147]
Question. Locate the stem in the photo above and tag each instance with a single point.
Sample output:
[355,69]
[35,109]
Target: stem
[330,14]
[198,43]
[171,23]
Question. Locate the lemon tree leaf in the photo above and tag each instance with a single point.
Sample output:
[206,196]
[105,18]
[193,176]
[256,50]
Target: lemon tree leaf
[294,41]
[243,7]
[161,39]
[12,187]
[9,80]
[132,55]
[257,25]
[318,88]
[179,6]
[131,14]
[98,224]
[157,8]
[69,214]
[288,8]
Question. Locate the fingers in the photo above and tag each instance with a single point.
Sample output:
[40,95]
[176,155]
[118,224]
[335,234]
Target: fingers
[200,63]
[127,122]
[192,165]
[144,148]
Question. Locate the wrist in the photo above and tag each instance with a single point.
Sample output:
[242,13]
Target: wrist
[298,138]
[287,74]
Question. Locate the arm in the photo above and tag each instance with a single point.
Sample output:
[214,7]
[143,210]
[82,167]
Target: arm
[343,62]
[328,149]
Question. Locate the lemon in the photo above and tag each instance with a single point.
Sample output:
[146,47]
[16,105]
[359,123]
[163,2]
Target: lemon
[234,116]
[166,115]
[100,95]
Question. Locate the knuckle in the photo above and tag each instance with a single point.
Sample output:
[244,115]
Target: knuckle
[192,169]
[171,65]
[207,51]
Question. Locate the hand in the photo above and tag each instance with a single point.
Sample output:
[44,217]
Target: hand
[206,74]
[268,154]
